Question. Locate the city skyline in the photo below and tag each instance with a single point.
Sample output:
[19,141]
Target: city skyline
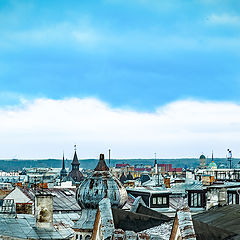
[137,77]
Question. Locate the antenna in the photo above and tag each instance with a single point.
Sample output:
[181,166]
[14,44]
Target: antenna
[109,154]
[42,183]
[229,158]
[157,169]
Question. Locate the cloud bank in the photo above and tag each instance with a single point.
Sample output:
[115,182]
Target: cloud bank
[43,128]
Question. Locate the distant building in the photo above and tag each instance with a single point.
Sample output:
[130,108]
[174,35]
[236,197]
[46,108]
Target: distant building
[212,165]
[202,161]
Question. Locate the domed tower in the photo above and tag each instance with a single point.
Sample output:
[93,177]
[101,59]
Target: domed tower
[212,165]
[202,161]
[75,174]
[99,185]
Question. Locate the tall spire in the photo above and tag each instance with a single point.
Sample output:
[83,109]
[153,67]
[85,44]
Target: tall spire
[63,164]
[75,159]
[63,172]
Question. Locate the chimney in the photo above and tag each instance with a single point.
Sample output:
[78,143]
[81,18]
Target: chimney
[44,210]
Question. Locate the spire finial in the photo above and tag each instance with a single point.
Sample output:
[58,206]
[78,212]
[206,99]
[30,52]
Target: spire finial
[75,147]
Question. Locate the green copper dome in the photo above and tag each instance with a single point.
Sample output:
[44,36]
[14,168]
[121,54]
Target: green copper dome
[212,165]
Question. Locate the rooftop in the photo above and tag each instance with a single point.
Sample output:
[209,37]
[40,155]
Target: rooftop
[24,227]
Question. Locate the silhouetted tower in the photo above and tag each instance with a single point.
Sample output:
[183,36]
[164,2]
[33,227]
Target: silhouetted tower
[63,172]
[75,174]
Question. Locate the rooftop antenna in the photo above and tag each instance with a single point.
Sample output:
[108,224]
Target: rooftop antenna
[157,169]
[42,184]
[109,154]
[229,158]
[155,165]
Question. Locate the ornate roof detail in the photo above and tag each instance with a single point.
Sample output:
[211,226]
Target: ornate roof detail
[101,184]
[75,174]
[102,166]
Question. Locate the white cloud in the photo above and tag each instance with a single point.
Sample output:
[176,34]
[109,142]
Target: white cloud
[224,19]
[43,128]
[78,33]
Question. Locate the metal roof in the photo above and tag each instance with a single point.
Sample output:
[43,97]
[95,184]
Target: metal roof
[87,219]
[149,189]
[24,227]
[226,218]
[63,199]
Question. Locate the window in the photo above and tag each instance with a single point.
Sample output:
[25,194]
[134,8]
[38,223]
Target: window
[164,200]
[160,200]
[154,200]
[191,196]
[234,198]
[230,198]
[199,200]
[195,200]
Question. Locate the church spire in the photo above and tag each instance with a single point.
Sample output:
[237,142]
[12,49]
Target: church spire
[63,163]
[75,159]
[63,172]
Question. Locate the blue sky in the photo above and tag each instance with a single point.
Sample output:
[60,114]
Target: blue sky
[136,54]
[136,76]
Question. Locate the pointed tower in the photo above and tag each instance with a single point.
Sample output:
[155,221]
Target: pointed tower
[75,174]
[63,172]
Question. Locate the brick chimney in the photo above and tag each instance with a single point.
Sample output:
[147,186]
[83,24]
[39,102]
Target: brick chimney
[44,210]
